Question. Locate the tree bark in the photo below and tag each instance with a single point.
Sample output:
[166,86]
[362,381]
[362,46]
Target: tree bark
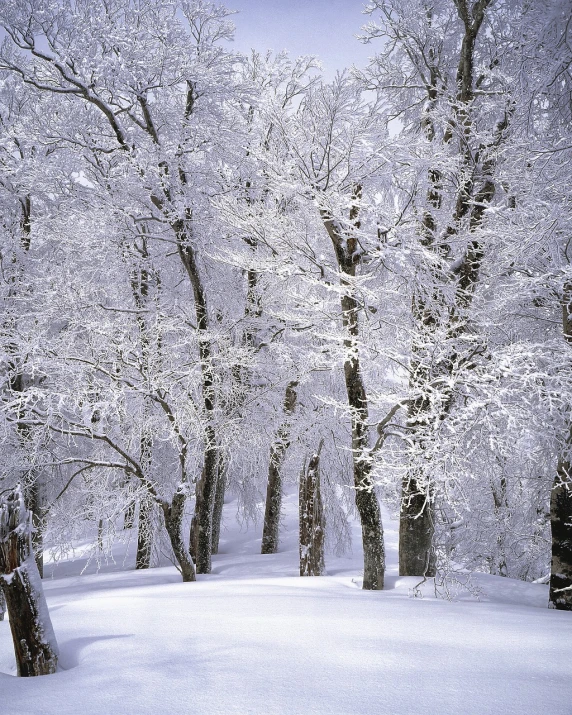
[560,596]
[219,502]
[499,566]
[173,515]
[145,524]
[273,506]
[35,645]
[417,514]
[129,515]
[312,520]
[144,534]
[416,530]
[202,525]
[348,255]
[32,480]
[34,497]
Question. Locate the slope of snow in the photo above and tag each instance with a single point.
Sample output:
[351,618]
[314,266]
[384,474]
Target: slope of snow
[253,637]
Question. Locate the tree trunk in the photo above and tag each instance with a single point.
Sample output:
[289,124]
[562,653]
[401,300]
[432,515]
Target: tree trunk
[274,489]
[366,499]
[19,383]
[145,523]
[219,502]
[201,527]
[417,513]
[173,515]
[416,530]
[312,521]
[100,535]
[499,566]
[35,645]
[204,506]
[475,191]
[561,523]
[2,602]
[561,501]
[129,515]
[348,255]
[34,498]
[144,534]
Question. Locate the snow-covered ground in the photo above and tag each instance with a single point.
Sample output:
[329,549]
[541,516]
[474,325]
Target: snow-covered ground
[254,637]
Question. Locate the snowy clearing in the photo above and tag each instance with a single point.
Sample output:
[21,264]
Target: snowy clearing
[254,637]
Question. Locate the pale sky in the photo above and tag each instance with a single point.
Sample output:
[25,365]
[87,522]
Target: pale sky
[325,28]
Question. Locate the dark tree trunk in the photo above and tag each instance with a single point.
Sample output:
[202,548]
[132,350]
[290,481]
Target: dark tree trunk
[204,506]
[366,499]
[33,495]
[100,535]
[35,645]
[32,481]
[372,539]
[417,515]
[312,520]
[145,523]
[561,524]
[274,489]
[500,500]
[173,515]
[201,527]
[144,534]
[219,502]
[416,530]
[561,501]
[2,602]
[348,255]
[129,515]
[194,530]
[200,537]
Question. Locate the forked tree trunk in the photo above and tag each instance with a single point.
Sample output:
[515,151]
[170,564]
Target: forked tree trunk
[35,645]
[312,520]
[475,192]
[200,537]
[173,515]
[274,489]
[201,527]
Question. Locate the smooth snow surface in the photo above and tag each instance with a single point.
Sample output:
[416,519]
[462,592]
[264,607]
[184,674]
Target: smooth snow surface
[254,637]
